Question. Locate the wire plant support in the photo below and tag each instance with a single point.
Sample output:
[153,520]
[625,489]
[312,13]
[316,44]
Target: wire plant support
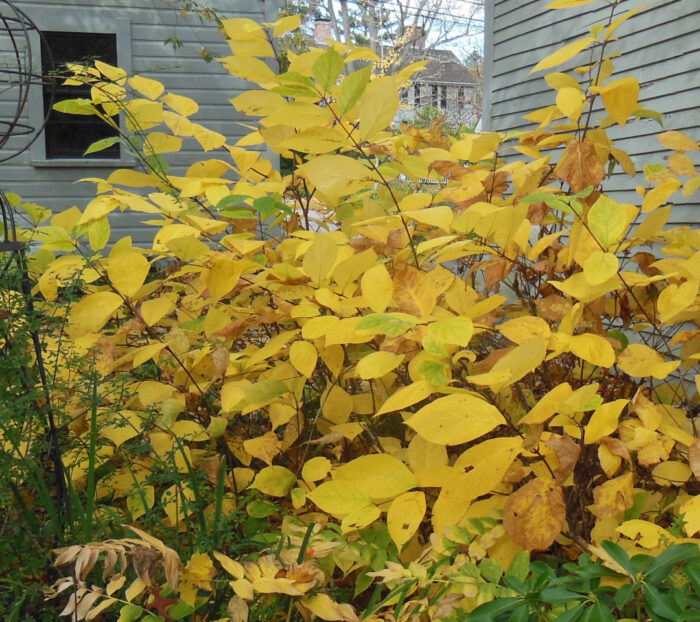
[17,76]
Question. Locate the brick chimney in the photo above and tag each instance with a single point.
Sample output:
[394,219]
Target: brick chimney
[322,31]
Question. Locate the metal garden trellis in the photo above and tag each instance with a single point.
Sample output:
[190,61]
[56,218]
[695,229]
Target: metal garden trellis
[17,76]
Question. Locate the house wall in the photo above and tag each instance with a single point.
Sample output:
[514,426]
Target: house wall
[142,49]
[660,46]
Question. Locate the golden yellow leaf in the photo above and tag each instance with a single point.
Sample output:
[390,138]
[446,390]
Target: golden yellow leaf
[142,115]
[571,101]
[475,147]
[316,469]
[285,24]
[303,356]
[600,267]
[676,298]
[146,86]
[522,329]
[208,139]
[564,54]
[660,194]
[360,519]
[405,397]
[678,141]
[377,364]
[337,175]
[640,361]
[380,476]
[92,312]
[414,292]
[671,473]
[378,107]
[339,497]
[594,349]
[320,257]
[275,481]
[548,405]
[231,566]
[520,361]
[694,458]
[336,405]
[535,514]
[614,496]
[159,142]
[326,608]
[404,516]
[422,454]
[265,447]
[377,288]
[604,421]
[154,310]
[455,419]
[454,330]
[247,38]
[223,276]
[128,271]
[619,98]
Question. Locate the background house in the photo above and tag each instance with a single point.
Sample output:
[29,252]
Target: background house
[137,35]
[660,46]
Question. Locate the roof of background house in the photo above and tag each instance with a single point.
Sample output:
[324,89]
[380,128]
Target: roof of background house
[443,66]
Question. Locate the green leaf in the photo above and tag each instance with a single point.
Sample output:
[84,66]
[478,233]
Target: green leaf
[601,613]
[619,555]
[259,508]
[491,570]
[572,614]
[489,611]
[100,145]
[234,200]
[352,88]
[623,594]
[692,571]
[434,372]
[180,610]
[327,68]
[663,565]
[75,106]
[269,205]
[129,613]
[389,324]
[520,566]
[559,595]
[660,604]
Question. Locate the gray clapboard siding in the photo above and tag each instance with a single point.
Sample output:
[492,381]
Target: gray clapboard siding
[660,46]
[183,71]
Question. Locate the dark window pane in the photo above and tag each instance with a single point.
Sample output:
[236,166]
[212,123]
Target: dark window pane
[66,135]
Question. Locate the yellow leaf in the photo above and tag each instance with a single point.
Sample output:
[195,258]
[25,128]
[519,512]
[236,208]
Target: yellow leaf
[649,535]
[475,147]
[265,447]
[564,54]
[275,481]
[691,515]
[128,271]
[316,469]
[247,38]
[337,175]
[640,361]
[405,397]
[380,476]
[660,194]
[520,361]
[176,502]
[208,139]
[678,141]
[360,519]
[222,276]
[154,310]
[404,516]
[159,142]
[675,299]
[303,356]
[325,608]
[142,115]
[440,216]
[620,98]
[594,349]
[378,107]
[377,288]
[571,101]
[320,257]
[414,292]
[455,419]
[604,421]
[377,364]
[671,473]
[562,80]
[150,88]
[600,266]
[337,405]
[339,498]
[454,330]
[614,496]
[548,405]
[285,24]
[93,311]
[234,568]
[522,329]
[567,4]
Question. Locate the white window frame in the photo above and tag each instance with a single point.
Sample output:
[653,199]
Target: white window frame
[84,20]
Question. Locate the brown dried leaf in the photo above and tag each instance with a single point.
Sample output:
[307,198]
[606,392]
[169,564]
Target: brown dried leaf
[535,514]
[220,358]
[567,451]
[553,307]
[580,166]
[617,447]
[145,562]
[694,458]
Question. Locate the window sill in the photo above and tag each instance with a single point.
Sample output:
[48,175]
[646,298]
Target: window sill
[83,163]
